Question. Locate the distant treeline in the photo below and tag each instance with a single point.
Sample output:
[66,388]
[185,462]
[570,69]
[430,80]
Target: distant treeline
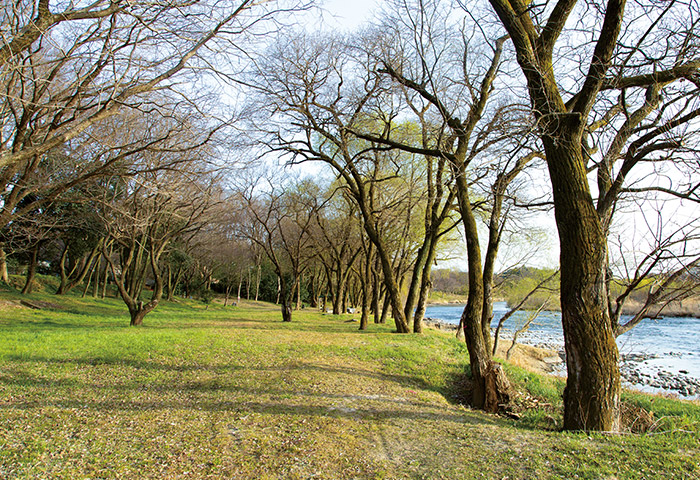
[511,285]
[514,284]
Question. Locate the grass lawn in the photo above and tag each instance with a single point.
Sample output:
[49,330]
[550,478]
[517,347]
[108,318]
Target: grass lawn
[235,393]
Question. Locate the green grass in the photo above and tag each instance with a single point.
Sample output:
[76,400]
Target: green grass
[235,393]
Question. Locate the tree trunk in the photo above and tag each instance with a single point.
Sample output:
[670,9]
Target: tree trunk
[137,315]
[105,279]
[90,271]
[62,271]
[414,286]
[279,288]
[4,276]
[227,294]
[592,393]
[257,283]
[286,311]
[425,286]
[286,292]
[338,299]
[393,292]
[31,270]
[247,286]
[364,318]
[385,309]
[366,273]
[96,282]
[169,283]
[485,374]
[376,287]
[78,273]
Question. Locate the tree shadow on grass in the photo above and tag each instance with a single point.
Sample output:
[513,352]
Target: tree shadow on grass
[216,395]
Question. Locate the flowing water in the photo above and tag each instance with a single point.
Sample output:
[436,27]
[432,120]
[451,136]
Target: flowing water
[669,344]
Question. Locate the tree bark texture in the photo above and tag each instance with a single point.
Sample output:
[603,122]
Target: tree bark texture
[592,394]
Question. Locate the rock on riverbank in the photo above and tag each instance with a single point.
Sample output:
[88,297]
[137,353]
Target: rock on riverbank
[637,374]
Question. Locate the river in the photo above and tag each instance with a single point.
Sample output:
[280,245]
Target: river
[665,345]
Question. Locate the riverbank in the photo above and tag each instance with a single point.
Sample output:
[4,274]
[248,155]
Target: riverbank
[646,372]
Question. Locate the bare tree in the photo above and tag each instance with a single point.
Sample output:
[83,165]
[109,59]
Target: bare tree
[71,75]
[143,215]
[279,217]
[337,243]
[430,61]
[597,83]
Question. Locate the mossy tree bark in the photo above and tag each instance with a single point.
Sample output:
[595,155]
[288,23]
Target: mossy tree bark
[591,398]
[592,394]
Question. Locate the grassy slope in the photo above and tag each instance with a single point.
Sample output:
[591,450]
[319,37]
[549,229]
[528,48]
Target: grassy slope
[235,393]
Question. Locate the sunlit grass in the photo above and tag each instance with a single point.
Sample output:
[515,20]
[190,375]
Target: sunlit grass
[232,392]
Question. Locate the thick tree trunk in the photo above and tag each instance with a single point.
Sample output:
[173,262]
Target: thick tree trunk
[137,315]
[592,394]
[364,318]
[4,276]
[338,294]
[31,270]
[286,311]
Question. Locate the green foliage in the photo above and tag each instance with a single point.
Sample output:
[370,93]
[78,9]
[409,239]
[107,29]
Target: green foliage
[206,296]
[514,284]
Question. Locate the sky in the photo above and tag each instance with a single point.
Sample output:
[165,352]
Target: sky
[348,14]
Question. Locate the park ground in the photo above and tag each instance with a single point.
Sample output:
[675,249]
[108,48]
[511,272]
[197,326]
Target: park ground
[232,392]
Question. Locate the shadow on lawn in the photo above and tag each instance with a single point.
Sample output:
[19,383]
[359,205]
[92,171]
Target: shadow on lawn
[178,390]
[285,371]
